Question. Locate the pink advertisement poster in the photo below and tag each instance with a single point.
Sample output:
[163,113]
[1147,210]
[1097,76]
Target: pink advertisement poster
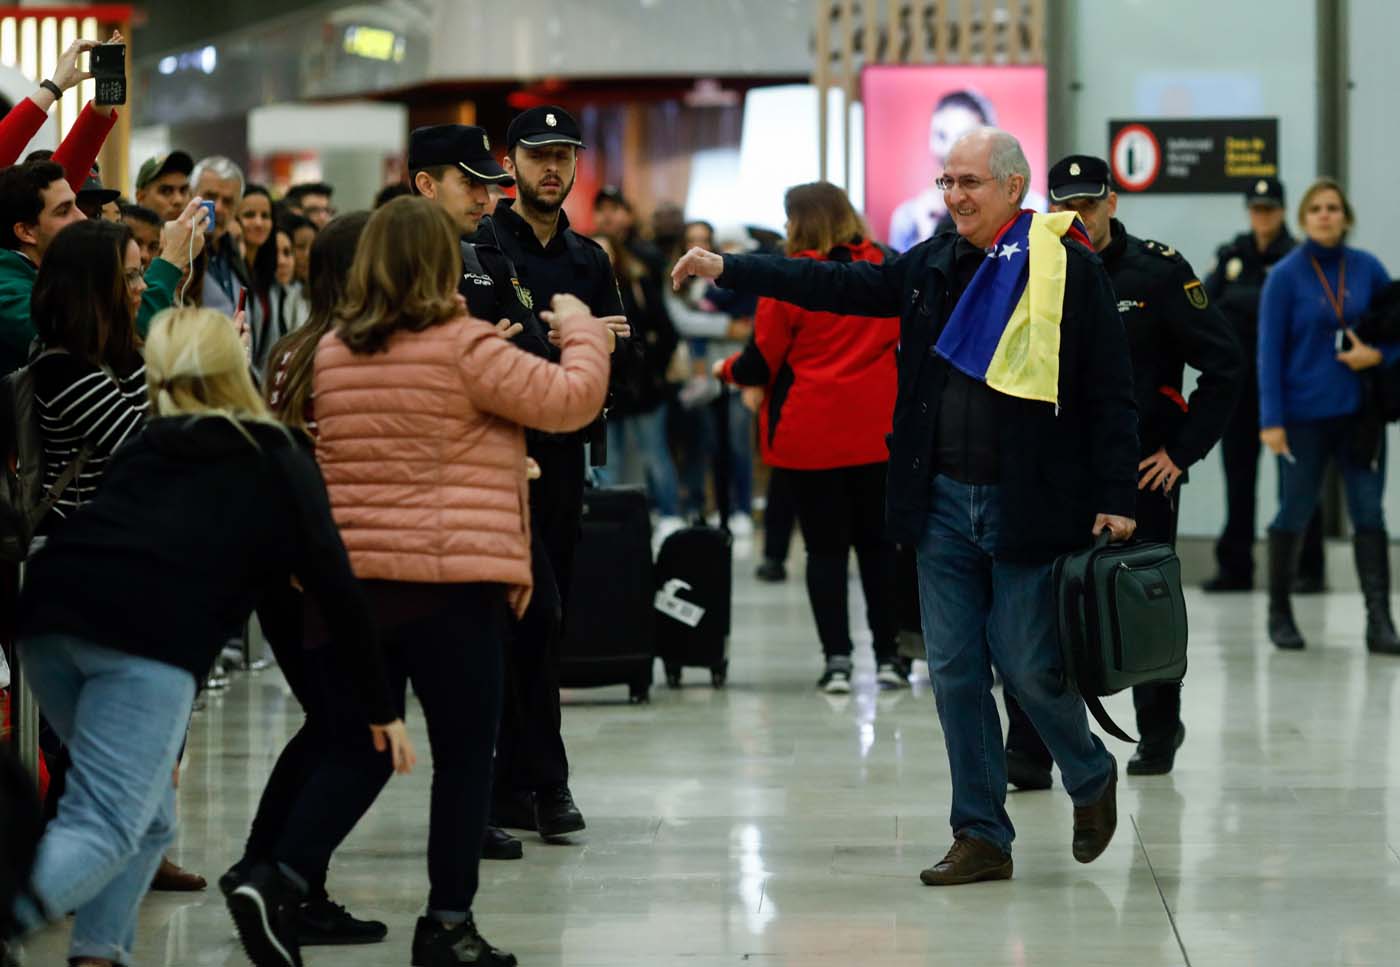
[913,114]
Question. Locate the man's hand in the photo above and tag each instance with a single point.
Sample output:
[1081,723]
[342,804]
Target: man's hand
[68,74]
[509,329]
[176,236]
[752,398]
[619,326]
[1360,356]
[1119,528]
[393,738]
[1158,471]
[699,264]
[1276,439]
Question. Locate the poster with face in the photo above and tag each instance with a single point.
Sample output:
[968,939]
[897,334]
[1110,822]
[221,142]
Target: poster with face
[913,116]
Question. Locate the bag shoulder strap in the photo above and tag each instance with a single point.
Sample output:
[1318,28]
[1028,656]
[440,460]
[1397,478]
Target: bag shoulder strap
[471,262]
[1105,721]
[69,474]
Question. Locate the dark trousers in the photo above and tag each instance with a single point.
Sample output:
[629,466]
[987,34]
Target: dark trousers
[779,516]
[841,509]
[1239,453]
[530,751]
[454,660]
[1158,706]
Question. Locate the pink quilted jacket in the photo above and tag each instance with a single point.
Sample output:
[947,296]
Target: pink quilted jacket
[423,450]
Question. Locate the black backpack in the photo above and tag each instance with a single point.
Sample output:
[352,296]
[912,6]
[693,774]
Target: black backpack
[1122,618]
[23,500]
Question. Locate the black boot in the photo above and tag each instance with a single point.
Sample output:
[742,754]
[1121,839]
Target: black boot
[1372,549]
[1283,563]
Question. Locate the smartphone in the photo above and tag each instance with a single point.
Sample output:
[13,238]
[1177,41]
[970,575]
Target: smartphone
[1342,341]
[107,62]
[209,225]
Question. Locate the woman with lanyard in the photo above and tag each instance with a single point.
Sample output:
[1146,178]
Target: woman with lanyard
[1312,408]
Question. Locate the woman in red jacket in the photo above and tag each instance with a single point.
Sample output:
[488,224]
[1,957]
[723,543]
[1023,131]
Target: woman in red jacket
[831,384]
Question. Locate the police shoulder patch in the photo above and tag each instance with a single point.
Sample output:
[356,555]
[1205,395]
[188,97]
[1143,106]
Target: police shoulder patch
[1157,248]
[1196,294]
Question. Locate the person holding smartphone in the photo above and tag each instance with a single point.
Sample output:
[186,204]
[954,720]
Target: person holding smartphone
[1313,409]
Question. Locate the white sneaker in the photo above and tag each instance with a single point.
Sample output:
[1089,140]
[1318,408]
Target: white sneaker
[740,525]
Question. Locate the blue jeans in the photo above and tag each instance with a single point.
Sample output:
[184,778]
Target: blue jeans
[701,426]
[978,610]
[1300,481]
[641,438]
[123,719]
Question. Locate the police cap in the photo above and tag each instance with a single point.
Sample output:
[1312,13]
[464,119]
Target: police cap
[1079,176]
[463,145]
[1265,191]
[93,193]
[544,125]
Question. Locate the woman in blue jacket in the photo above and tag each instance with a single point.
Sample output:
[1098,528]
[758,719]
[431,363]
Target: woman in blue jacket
[1311,405]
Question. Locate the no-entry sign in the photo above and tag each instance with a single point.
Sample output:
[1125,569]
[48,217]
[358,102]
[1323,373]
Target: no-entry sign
[1205,156]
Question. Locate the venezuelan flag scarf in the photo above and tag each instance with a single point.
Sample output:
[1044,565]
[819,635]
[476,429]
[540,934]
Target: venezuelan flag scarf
[1005,330]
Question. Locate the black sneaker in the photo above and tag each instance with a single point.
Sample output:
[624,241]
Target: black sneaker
[836,678]
[324,923]
[893,672]
[770,571]
[235,876]
[497,844]
[437,945]
[555,812]
[265,909]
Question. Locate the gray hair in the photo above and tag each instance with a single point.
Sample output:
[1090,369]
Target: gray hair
[1005,157]
[224,168]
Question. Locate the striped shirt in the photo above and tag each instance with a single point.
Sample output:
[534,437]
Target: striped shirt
[80,404]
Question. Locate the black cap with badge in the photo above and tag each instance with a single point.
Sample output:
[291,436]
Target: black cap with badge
[1079,176]
[463,145]
[540,126]
[1265,191]
[92,194]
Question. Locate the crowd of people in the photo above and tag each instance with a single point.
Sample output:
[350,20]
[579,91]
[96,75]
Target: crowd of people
[385,421]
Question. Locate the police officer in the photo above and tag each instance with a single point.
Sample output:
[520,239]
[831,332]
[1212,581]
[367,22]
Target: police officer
[532,231]
[1234,285]
[1170,324]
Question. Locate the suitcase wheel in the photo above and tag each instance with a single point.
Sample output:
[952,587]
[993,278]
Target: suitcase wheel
[640,693]
[673,676]
[719,674]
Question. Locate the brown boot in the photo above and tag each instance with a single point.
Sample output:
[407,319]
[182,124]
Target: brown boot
[1095,823]
[170,878]
[970,860]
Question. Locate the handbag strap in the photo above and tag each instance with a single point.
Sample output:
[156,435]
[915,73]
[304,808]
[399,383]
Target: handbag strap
[1102,717]
[69,474]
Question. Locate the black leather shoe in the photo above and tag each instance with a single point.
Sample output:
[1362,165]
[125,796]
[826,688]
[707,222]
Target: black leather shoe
[555,813]
[1223,582]
[436,945]
[497,844]
[1026,774]
[514,810]
[1156,760]
[773,572]
[323,923]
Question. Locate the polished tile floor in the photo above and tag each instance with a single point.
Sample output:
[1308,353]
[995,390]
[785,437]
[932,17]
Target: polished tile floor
[767,824]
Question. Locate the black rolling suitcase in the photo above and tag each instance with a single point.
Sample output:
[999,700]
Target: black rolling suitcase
[608,632]
[695,582]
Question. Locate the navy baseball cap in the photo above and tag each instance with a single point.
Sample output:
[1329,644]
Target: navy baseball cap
[464,145]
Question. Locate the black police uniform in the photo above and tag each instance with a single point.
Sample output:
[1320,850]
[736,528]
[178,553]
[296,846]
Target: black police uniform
[1170,324]
[1235,285]
[530,754]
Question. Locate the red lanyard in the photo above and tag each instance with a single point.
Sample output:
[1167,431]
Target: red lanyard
[1337,298]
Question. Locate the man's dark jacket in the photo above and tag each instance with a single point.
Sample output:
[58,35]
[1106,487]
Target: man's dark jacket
[1059,466]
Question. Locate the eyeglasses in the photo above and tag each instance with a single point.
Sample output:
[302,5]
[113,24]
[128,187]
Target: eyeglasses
[967,183]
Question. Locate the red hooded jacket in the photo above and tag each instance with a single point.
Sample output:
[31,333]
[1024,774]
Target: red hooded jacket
[830,379]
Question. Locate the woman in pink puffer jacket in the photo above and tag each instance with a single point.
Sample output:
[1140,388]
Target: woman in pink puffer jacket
[421,411]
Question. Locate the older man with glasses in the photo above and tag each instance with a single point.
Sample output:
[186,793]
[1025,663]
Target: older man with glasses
[1015,441]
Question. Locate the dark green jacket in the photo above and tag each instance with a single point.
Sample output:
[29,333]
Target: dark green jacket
[17,275]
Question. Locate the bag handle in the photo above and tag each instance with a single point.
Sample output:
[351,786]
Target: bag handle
[69,474]
[1105,721]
